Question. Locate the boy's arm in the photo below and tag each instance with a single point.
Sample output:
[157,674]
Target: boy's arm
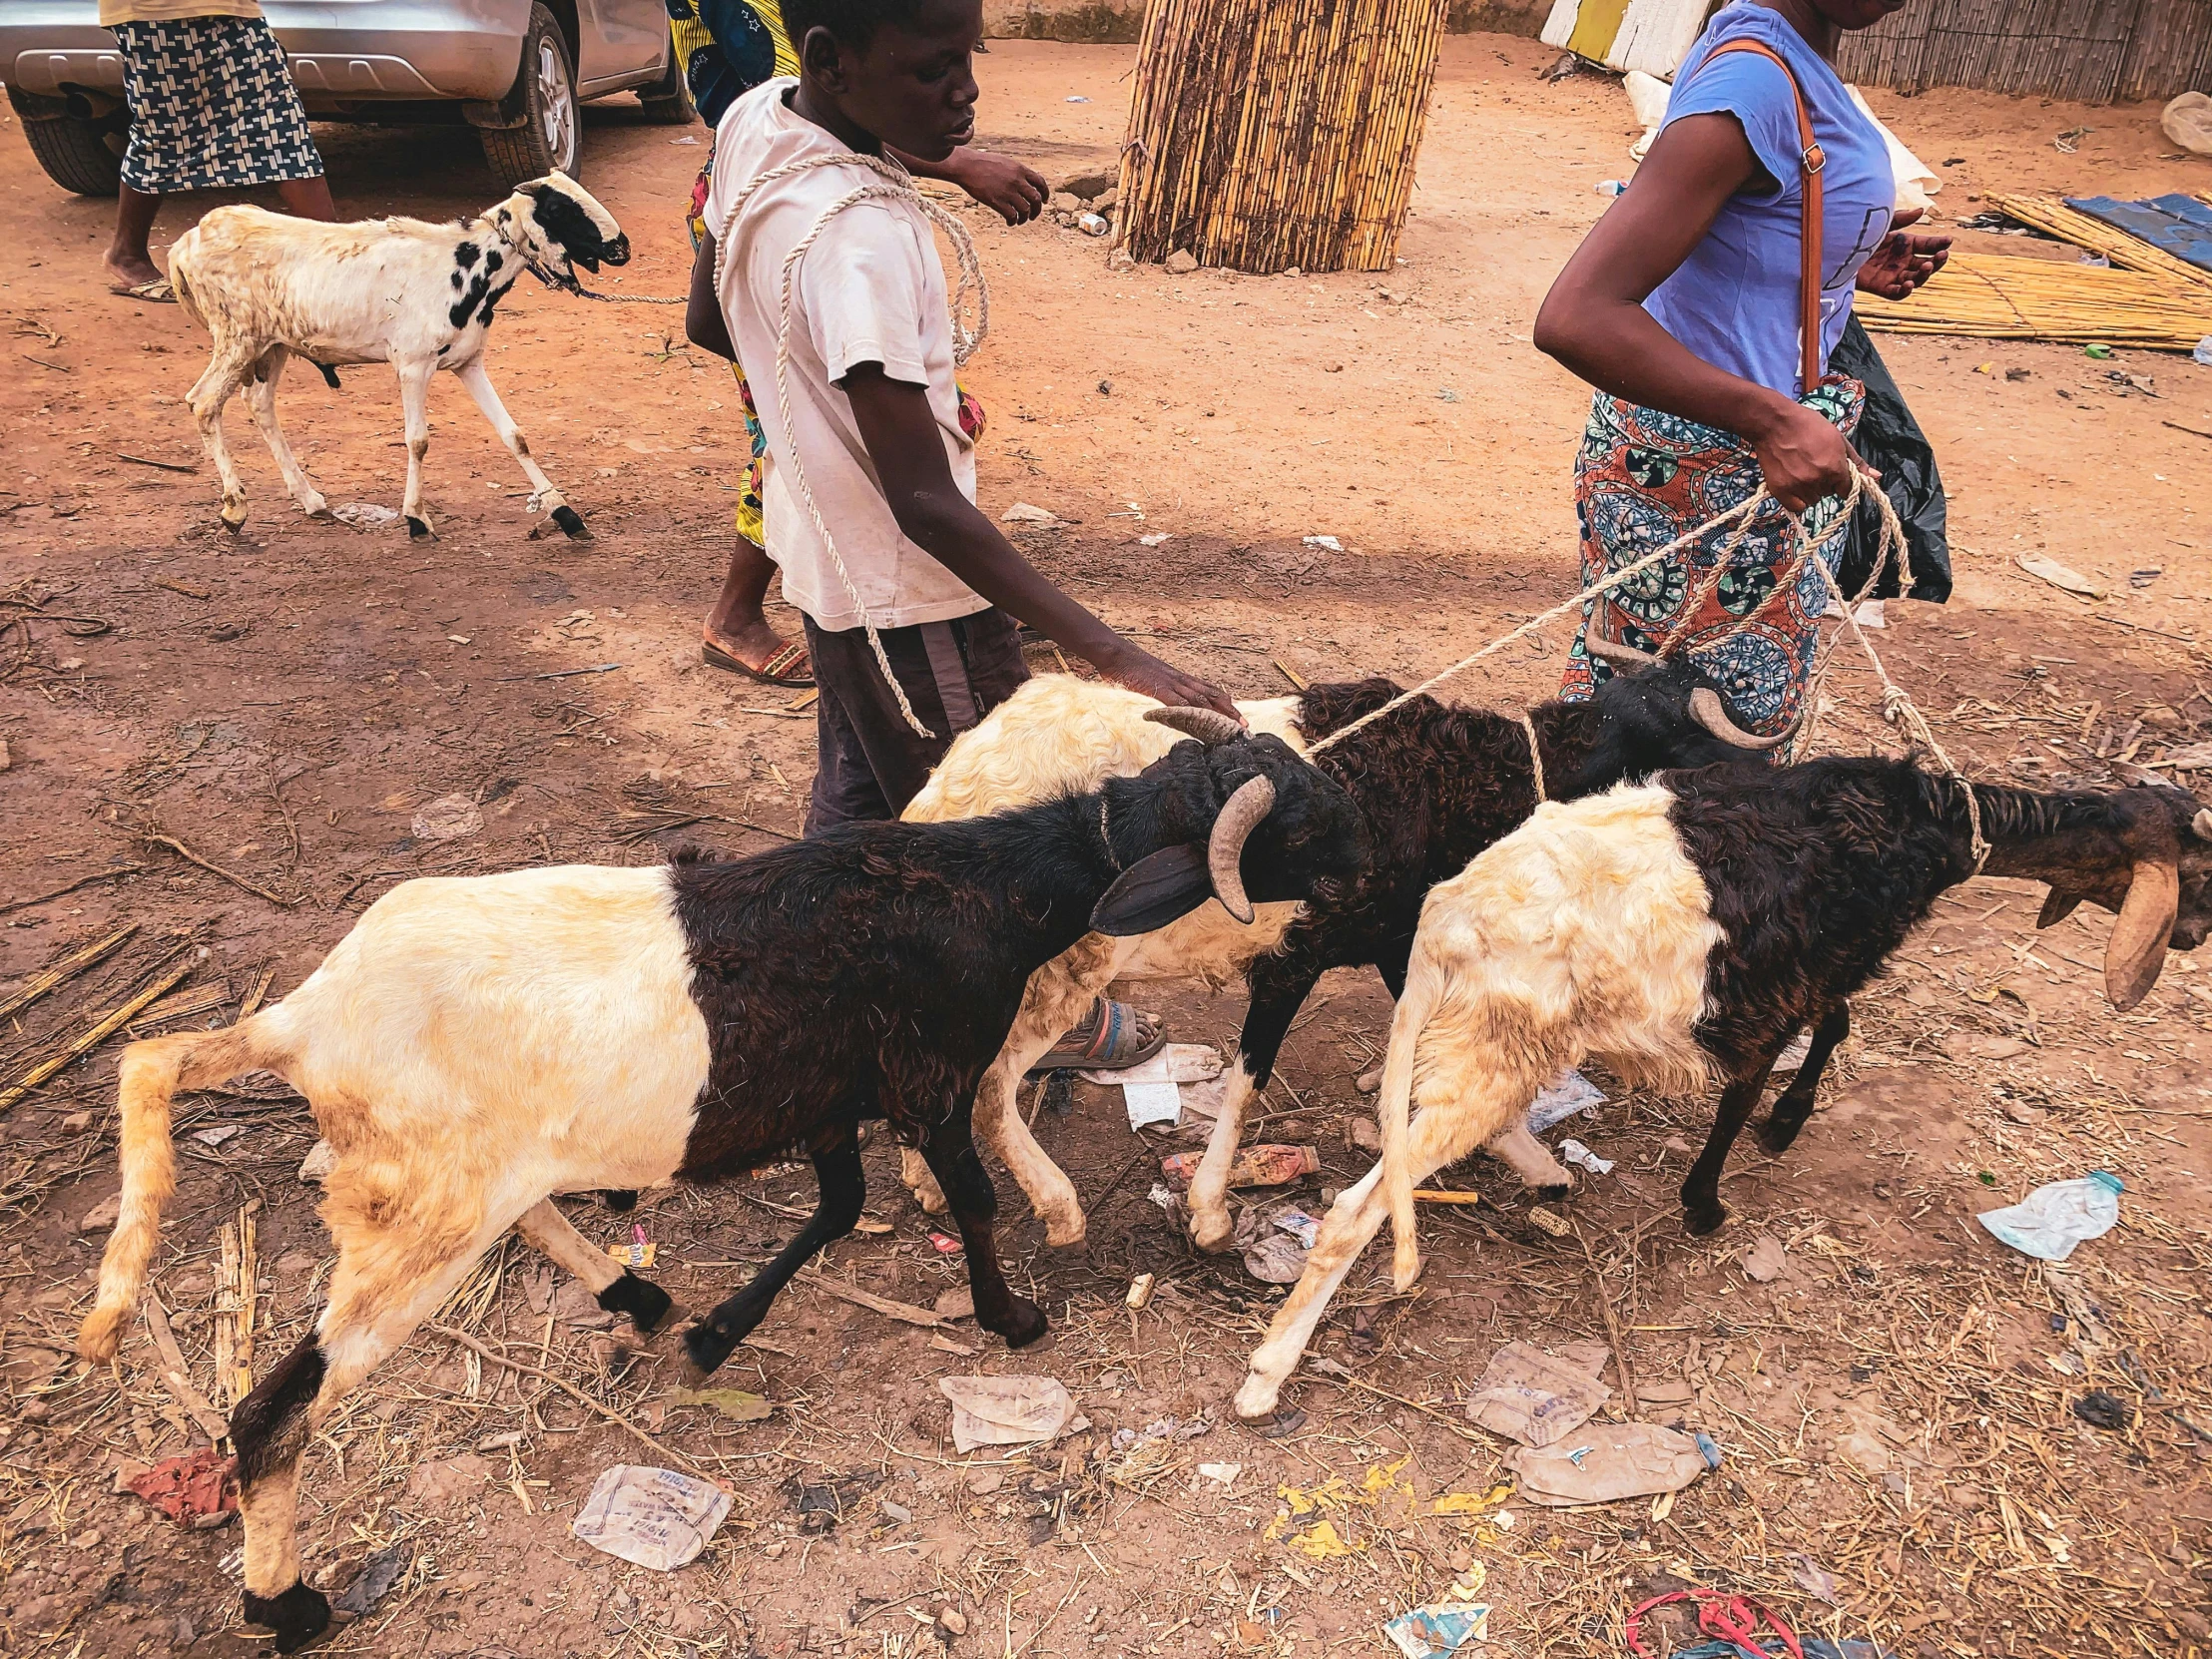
[704,324]
[1014,192]
[903,442]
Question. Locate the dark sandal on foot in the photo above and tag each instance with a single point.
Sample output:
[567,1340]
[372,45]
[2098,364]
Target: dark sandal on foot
[789,665]
[1108,1039]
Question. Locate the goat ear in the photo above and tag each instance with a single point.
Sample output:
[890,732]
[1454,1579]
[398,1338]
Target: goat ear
[2137,950]
[2059,904]
[1154,891]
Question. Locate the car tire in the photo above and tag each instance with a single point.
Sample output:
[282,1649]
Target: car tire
[667,101]
[552,132]
[81,152]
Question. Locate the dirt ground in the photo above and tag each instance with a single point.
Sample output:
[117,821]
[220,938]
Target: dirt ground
[1895,1406]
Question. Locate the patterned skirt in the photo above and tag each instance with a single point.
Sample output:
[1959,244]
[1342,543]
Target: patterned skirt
[1643,478]
[751,522]
[213,107]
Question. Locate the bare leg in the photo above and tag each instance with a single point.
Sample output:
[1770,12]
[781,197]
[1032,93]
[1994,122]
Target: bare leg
[1701,1189]
[309,198]
[1794,1104]
[617,1290]
[260,397]
[130,263]
[479,387]
[738,626]
[224,374]
[414,404]
[842,1190]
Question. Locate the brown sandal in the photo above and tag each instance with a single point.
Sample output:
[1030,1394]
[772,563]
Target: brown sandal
[788,667]
[1105,1039]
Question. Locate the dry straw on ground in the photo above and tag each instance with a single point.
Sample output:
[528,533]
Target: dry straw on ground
[1267,137]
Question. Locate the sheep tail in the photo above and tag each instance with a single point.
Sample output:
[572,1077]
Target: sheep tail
[1395,1105]
[152,1071]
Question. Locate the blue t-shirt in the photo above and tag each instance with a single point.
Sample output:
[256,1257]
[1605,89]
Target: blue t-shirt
[1734,300]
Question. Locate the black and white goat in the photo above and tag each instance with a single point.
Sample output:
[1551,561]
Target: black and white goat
[1435,785]
[1684,929]
[477,1045]
[417,295]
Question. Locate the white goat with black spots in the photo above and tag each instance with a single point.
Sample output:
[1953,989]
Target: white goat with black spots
[400,290]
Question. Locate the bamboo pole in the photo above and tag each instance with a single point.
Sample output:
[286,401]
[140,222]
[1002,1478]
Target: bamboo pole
[40,984]
[98,1034]
[2019,299]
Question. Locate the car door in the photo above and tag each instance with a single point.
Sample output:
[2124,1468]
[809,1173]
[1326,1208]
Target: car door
[624,42]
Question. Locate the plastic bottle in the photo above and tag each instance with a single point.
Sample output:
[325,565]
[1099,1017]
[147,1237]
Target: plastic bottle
[1256,1166]
[1612,187]
[2052,1220]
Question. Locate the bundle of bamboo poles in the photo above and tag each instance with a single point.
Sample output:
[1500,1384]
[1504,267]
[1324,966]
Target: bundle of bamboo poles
[2017,299]
[2128,252]
[1271,134]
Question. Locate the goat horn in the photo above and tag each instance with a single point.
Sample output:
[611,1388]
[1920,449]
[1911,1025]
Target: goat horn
[1240,815]
[1707,709]
[1611,651]
[2137,950]
[2202,824]
[1208,726]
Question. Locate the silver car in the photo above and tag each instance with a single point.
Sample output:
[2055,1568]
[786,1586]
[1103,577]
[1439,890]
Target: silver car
[515,70]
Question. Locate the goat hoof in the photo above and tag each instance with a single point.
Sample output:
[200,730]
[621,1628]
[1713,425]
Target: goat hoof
[572,525]
[1255,1402]
[1059,1234]
[298,1616]
[1778,1135]
[1210,1231]
[617,1200]
[1698,1222]
[418,528]
[236,526]
[705,1347]
[1558,1192]
[1024,1324]
[645,1301]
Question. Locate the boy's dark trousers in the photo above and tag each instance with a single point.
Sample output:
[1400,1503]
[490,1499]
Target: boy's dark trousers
[870,762]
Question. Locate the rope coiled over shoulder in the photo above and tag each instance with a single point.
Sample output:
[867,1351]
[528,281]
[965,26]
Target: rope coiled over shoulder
[895,185]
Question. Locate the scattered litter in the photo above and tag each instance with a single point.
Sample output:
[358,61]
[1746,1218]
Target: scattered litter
[2099,350]
[686,139]
[1762,1261]
[1612,187]
[366,515]
[1163,1196]
[1300,1225]
[1079,99]
[217,1135]
[1224,1474]
[1091,224]
[2201,353]
[1734,1621]
[1327,544]
[1536,1397]
[1164,1428]
[944,1244]
[448,819]
[1153,540]
[1441,1628]
[656,1518]
[2052,1219]
[1139,1295]
[637,1253]
[1612,1461]
[2059,576]
[1202,1102]
[1176,1063]
[2103,1411]
[1445,394]
[1022,512]
[1005,1410]
[1567,1095]
[1263,1165]
[1581,1157]
[2069,141]
[1277,1259]
[199,1490]
[374,1582]
[1150,1103]
[1549,1221]
[734,1404]
[316,1166]
[2187,122]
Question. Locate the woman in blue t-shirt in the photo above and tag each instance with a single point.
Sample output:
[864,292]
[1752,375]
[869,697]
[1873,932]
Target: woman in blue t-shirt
[1685,307]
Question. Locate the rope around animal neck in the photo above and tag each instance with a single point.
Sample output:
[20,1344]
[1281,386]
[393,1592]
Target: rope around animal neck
[1535,756]
[899,186]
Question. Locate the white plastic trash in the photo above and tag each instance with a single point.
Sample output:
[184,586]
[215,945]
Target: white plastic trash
[657,1518]
[2203,352]
[2052,1220]
[1568,1093]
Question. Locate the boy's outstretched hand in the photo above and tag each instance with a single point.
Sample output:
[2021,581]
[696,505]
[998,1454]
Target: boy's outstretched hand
[1015,193]
[1143,672]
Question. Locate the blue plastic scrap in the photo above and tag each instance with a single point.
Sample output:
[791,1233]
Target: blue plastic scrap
[2178,225]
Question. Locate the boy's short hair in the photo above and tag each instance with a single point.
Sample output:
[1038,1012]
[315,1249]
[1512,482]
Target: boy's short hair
[853,22]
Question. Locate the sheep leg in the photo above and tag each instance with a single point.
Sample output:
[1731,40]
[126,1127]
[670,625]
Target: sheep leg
[1279,989]
[968,1187]
[617,1290]
[260,397]
[1701,1189]
[1531,1160]
[225,373]
[479,387]
[378,1294]
[1437,1136]
[414,406]
[842,1189]
[1794,1104]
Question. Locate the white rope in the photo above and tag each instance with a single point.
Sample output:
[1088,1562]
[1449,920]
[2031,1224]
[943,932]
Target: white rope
[1535,756]
[899,186]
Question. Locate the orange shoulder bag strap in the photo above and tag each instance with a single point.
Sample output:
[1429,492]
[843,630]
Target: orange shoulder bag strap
[1811,161]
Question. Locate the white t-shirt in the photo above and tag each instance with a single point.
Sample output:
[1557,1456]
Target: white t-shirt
[870,288]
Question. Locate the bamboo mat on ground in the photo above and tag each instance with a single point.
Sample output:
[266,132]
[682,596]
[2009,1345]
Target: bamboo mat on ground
[2020,299]
[2047,212]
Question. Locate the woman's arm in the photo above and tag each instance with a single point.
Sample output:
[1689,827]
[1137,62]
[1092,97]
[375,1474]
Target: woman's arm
[1593,320]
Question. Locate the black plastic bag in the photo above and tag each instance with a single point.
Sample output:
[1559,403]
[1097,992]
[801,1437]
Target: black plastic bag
[1893,444]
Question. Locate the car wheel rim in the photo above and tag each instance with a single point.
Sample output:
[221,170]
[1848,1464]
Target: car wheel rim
[559,106]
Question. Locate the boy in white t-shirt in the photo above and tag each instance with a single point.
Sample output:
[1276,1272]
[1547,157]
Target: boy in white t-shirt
[874,414]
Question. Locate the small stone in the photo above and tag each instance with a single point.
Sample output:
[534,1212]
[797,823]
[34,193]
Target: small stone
[983,1482]
[86,1540]
[1067,203]
[1368,1082]
[2020,1112]
[951,1621]
[321,1160]
[1087,186]
[77,1122]
[1181,262]
[101,1216]
[958,1303]
[183,1634]
[1364,1134]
